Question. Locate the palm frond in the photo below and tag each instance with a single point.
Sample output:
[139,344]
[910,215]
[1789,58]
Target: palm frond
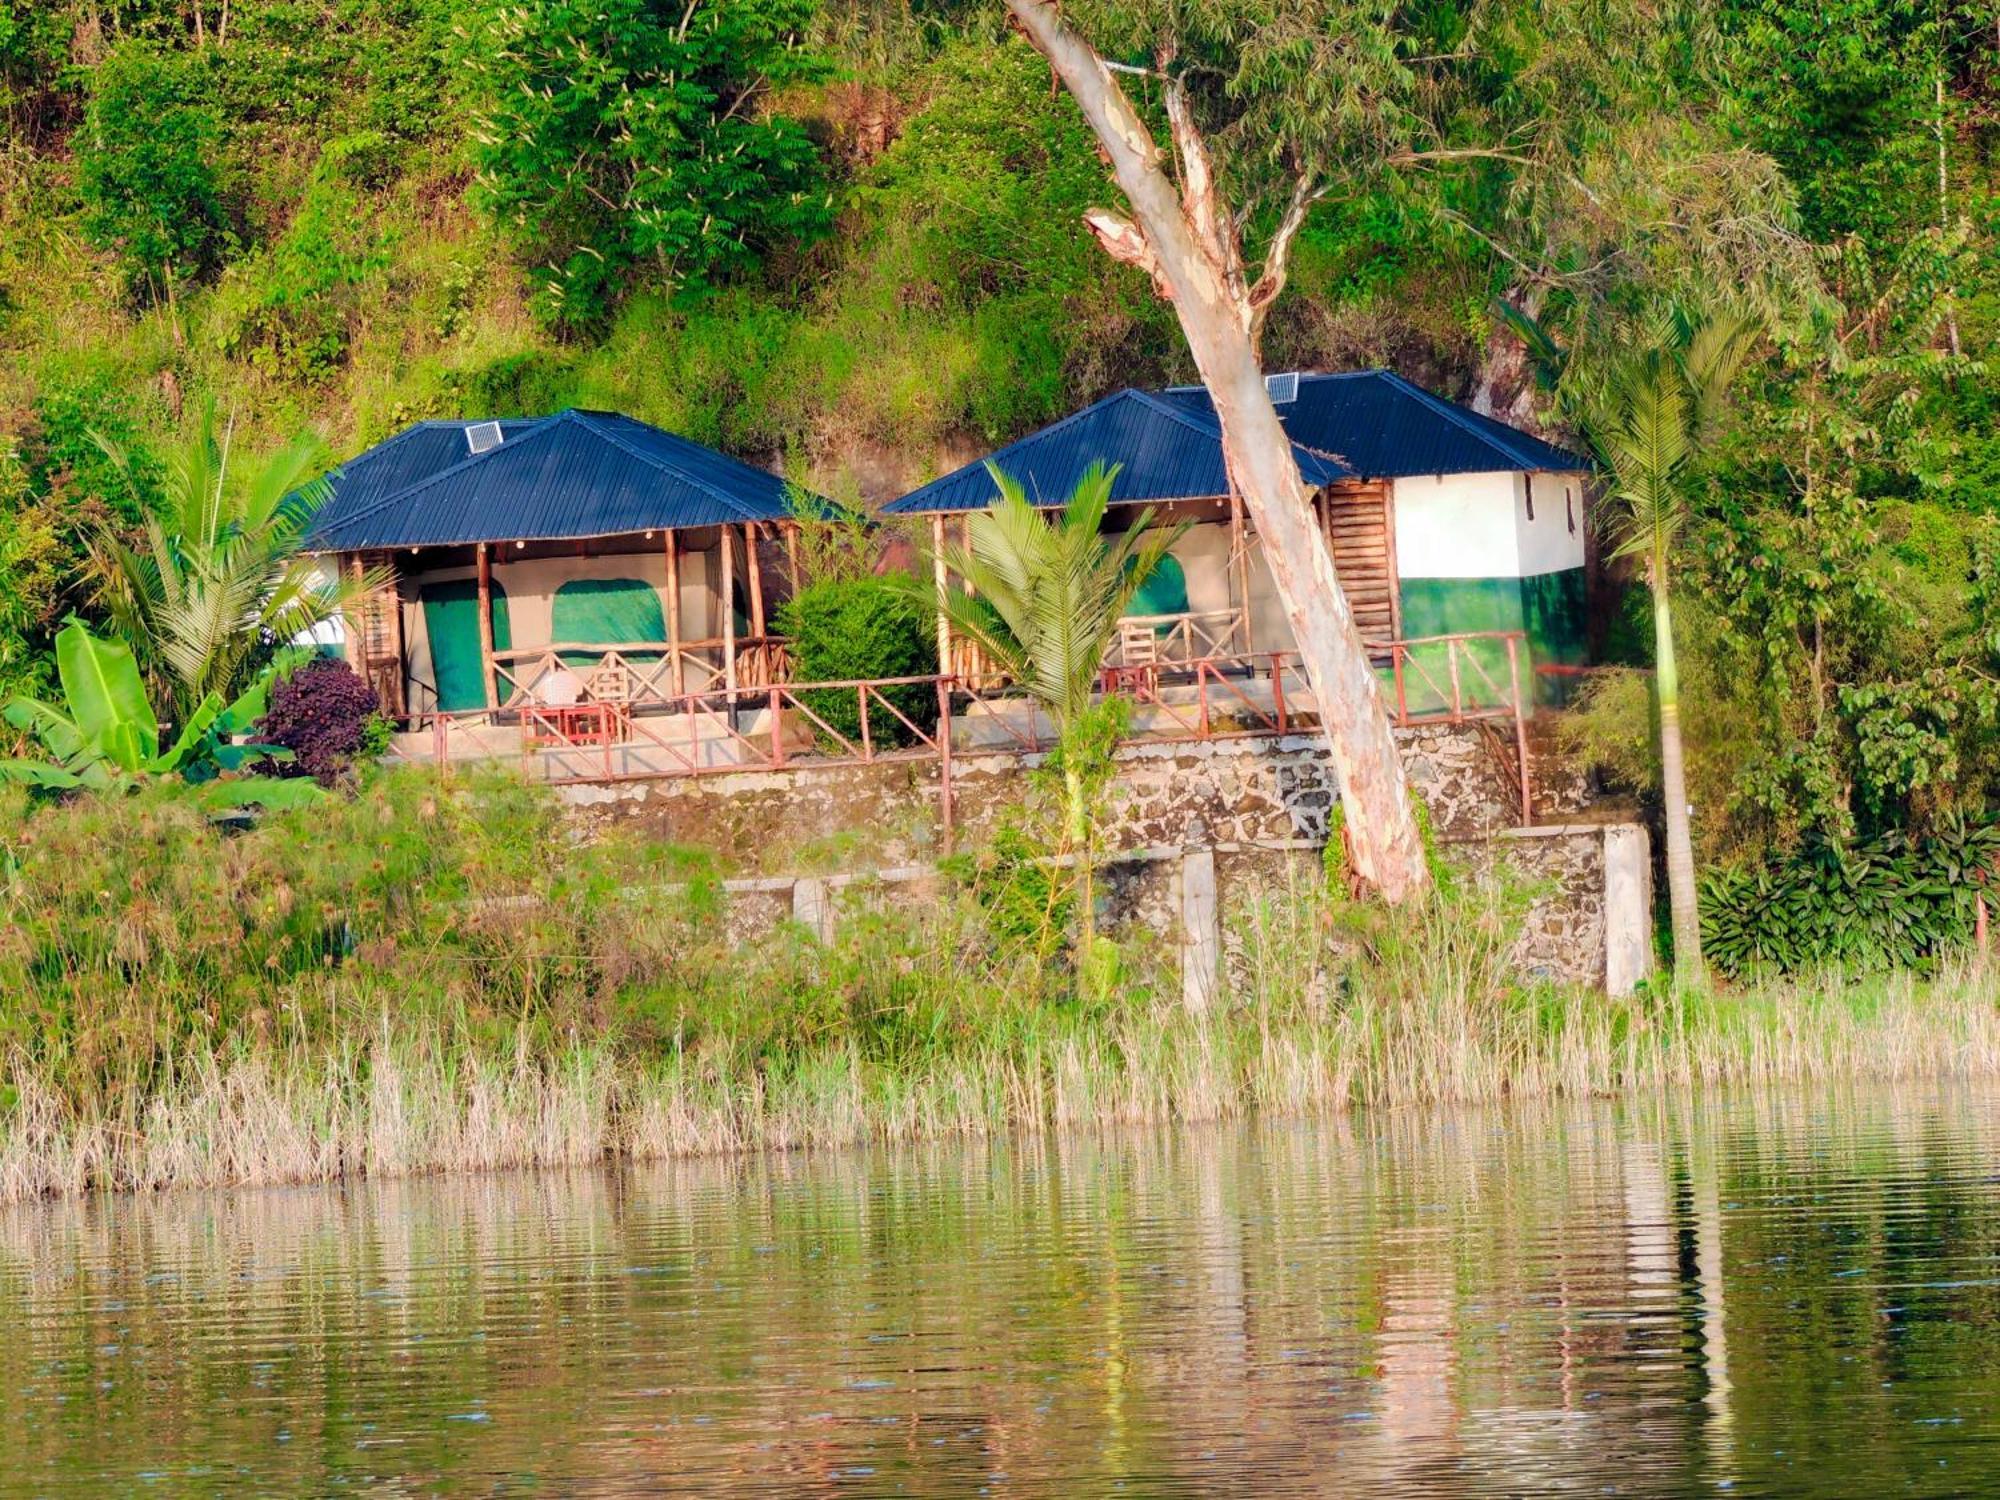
[1714,355]
[1042,594]
[217,584]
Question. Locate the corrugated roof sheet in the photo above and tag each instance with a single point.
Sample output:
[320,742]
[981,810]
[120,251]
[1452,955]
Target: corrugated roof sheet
[574,475]
[1383,427]
[412,455]
[1166,452]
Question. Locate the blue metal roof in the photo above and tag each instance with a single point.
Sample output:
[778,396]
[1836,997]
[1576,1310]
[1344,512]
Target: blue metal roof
[1383,427]
[577,474]
[412,455]
[1166,452]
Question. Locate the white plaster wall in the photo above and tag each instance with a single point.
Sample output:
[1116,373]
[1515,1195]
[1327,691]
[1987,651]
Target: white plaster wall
[1553,539]
[1458,525]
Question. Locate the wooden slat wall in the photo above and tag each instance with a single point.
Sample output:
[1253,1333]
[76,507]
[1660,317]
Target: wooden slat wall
[1361,534]
[379,624]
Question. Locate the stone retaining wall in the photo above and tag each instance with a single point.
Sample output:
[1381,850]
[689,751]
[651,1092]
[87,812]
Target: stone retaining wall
[1249,790]
[1193,828]
[1589,920]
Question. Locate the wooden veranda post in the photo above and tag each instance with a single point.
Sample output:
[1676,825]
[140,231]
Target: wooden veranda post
[676,672]
[394,691]
[728,613]
[486,626]
[938,575]
[752,536]
[792,555]
[354,620]
[1521,710]
[1239,570]
[944,758]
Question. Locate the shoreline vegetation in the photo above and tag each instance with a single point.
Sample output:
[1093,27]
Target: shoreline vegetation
[440,976]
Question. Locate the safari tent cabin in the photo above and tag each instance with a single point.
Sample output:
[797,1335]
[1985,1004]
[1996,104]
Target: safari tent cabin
[1440,521]
[543,567]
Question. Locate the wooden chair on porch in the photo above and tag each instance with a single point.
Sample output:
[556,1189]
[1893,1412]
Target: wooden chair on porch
[610,681]
[1138,668]
[609,689]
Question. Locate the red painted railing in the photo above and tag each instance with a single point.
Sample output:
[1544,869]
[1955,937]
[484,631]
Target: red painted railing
[1453,679]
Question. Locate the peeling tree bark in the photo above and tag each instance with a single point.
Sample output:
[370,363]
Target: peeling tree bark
[1191,249]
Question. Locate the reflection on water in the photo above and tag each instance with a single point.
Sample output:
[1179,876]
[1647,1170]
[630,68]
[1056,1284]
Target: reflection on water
[1799,1296]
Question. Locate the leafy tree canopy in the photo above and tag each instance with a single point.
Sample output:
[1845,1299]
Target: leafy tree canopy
[146,168]
[635,132]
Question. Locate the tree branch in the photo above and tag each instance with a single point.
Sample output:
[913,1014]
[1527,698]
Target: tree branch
[1278,256]
[1125,241]
[1212,227]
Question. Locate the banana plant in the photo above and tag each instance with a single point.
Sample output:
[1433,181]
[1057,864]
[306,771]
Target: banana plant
[106,737]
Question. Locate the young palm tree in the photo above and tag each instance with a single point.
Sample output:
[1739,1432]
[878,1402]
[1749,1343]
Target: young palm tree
[1046,594]
[217,586]
[1659,407]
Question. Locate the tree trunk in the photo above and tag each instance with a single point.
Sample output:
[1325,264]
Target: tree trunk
[1077,816]
[1505,383]
[1673,791]
[1193,265]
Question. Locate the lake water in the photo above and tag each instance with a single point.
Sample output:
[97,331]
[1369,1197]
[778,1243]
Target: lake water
[1790,1296]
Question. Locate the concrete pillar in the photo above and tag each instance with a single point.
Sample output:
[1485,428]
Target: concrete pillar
[1201,931]
[1628,907]
[812,907]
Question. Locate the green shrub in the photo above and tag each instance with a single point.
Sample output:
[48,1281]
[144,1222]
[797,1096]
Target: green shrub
[851,629]
[1891,902]
[36,555]
[291,309]
[146,168]
[617,138]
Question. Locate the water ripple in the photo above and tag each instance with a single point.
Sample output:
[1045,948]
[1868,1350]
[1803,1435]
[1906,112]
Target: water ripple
[1782,1296]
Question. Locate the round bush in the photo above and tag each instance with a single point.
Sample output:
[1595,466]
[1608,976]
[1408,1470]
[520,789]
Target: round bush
[326,715]
[846,630]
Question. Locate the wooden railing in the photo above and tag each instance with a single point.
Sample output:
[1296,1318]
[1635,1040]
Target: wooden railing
[1454,679]
[1195,636]
[1179,639]
[640,675]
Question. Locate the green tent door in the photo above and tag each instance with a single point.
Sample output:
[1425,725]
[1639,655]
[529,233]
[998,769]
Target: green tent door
[606,612]
[451,620]
[1164,592]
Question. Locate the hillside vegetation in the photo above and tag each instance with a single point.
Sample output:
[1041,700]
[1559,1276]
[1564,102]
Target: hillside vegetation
[844,237]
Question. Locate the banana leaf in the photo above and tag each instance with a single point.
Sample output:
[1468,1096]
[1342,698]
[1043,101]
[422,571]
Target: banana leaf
[39,773]
[57,732]
[236,757]
[265,792]
[194,734]
[107,699]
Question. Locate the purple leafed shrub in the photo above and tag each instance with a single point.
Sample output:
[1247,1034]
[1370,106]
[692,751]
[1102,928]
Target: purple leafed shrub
[325,714]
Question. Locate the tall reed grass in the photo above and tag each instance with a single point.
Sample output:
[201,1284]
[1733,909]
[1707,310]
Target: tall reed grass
[440,978]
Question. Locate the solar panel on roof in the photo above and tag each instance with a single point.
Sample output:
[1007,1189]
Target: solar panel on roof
[483,437]
[1283,388]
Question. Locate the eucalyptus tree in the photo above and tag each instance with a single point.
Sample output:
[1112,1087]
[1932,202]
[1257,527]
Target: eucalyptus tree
[1044,600]
[1655,412]
[1191,245]
[216,585]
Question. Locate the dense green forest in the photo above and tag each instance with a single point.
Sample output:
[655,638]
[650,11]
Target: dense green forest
[845,236]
